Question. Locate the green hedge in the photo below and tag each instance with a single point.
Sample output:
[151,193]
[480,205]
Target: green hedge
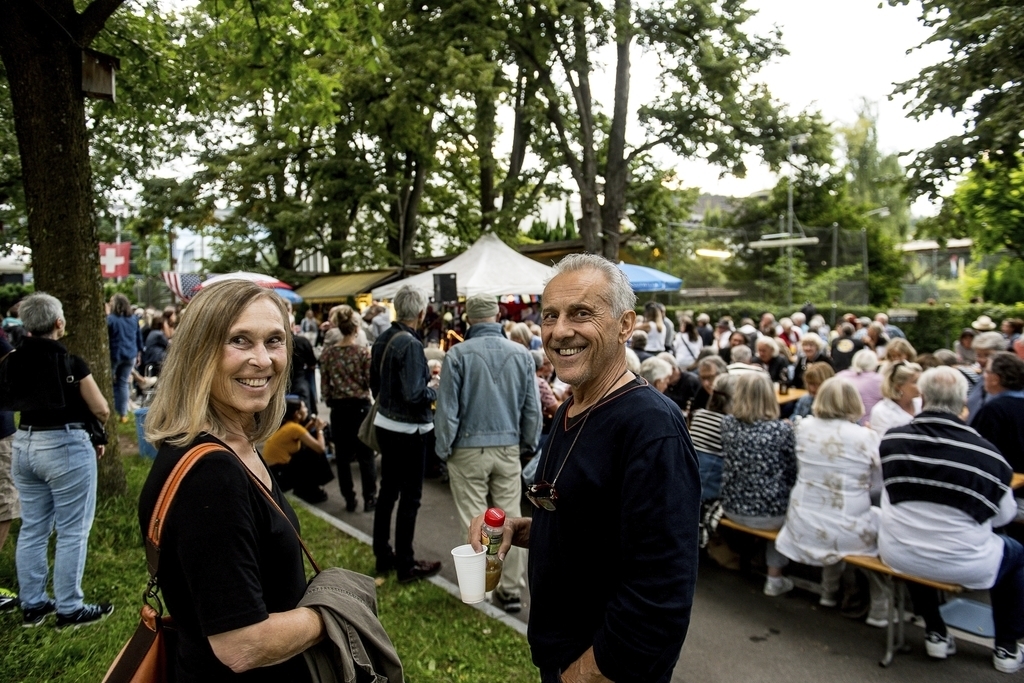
[935,327]
[11,294]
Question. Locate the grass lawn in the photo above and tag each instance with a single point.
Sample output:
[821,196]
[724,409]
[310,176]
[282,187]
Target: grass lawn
[437,637]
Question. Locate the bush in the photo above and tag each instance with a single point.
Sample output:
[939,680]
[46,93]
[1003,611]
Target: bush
[10,294]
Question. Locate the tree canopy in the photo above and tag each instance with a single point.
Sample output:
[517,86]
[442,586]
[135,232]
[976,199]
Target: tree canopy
[982,79]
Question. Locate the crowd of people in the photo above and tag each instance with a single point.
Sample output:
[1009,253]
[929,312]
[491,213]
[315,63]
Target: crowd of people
[863,463]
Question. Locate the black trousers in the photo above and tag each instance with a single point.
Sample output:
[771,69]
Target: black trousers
[403,457]
[346,416]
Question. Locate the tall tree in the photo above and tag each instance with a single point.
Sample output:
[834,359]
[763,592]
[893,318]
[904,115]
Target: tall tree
[710,106]
[982,79]
[876,179]
[41,44]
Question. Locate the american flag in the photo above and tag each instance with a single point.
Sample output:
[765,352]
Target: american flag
[182,284]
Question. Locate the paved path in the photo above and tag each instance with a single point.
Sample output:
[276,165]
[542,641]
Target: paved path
[737,635]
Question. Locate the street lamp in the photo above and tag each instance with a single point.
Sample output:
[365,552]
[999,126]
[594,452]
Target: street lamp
[795,140]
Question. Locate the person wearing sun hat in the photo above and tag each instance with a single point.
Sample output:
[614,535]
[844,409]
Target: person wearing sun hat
[983,324]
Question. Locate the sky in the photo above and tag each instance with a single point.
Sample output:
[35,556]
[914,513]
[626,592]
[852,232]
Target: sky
[840,51]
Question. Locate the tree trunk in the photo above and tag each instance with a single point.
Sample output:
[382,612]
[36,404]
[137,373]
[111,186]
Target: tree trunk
[44,71]
[616,174]
[485,129]
[405,205]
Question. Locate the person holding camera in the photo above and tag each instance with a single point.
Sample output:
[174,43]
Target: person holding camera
[296,452]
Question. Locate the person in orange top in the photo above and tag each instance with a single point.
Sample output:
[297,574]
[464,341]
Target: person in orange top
[295,452]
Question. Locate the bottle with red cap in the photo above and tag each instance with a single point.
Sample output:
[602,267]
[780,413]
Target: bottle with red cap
[493,530]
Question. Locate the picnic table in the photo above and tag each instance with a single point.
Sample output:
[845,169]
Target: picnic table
[790,396]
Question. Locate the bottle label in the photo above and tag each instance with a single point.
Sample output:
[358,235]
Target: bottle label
[492,543]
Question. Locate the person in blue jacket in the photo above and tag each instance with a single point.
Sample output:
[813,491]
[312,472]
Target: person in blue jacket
[125,349]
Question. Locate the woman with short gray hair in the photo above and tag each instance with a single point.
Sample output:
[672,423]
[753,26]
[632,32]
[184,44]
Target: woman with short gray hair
[54,465]
[404,391]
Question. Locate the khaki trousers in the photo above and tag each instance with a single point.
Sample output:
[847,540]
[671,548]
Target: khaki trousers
[475,472]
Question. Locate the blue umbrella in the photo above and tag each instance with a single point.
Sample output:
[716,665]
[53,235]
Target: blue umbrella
[288,295]
[644,279]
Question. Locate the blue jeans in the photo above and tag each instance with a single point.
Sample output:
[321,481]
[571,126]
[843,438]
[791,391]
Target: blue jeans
[1008,594]
[55,472]
[122,371]
[710,475]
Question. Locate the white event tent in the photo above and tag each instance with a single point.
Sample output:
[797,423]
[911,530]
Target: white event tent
[488,267]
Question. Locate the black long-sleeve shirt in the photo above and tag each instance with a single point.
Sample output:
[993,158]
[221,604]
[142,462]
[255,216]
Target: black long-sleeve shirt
[614,567]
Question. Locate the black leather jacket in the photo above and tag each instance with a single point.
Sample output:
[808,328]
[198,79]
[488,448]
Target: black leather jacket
[400,385]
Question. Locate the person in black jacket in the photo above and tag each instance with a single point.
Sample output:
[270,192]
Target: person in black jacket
[404,390]
[813,348]
[1001,419]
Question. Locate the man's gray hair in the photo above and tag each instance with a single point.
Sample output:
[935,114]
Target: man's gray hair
[409,303]
[538,358]
[740,354]
[989,341]
[946,357]
[620,292]
[715,362]
[655,369]
[769,343]
[668,358]
[943,389]
[40,312]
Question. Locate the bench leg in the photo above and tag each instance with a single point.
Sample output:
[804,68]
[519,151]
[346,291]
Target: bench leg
[895,630]
[901,614]
[890,636]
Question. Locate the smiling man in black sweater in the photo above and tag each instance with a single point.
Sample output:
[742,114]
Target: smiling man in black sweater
[613,541]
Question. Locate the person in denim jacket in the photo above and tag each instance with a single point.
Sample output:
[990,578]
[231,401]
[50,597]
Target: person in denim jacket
[488,407]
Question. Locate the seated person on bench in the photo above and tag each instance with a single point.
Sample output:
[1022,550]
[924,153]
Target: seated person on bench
[945,489]
[830,513]
[758,467]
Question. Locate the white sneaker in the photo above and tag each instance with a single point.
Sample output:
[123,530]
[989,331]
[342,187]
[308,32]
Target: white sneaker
[828,600]
[878,616]
[776,586]
[1005,662]
[939,647]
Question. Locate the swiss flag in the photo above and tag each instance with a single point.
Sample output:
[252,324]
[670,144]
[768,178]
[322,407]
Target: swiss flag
[114,259]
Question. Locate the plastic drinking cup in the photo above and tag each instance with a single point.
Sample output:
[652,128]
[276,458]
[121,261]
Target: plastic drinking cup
[470,567]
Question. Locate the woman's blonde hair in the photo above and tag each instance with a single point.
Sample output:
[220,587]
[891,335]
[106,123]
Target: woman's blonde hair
[838,399]
[520,333]
[344,318]
[816,373]
[754,398]
[895,375]
[900,349]
[182,408]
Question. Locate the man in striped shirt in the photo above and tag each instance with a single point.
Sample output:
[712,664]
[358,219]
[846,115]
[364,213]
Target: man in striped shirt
[945,489]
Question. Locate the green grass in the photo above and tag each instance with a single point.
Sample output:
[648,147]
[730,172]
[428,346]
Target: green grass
[437,637]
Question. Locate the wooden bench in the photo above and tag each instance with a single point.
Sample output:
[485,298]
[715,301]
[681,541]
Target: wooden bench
[894,582]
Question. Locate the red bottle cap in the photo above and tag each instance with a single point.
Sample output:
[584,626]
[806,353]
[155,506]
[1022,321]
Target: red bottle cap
[494,517]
